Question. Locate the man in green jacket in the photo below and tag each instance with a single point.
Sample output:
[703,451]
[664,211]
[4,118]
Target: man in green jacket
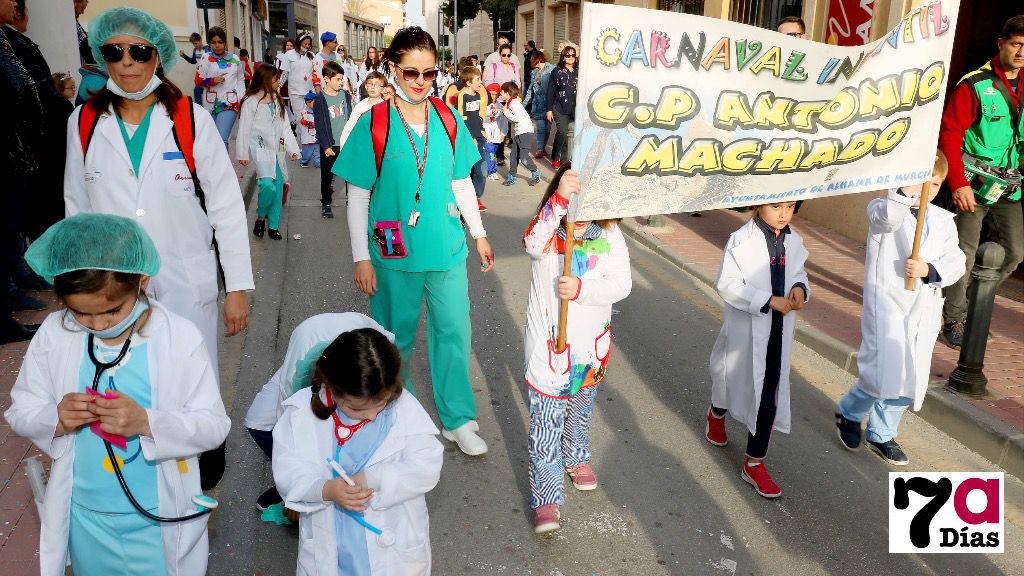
[981,135]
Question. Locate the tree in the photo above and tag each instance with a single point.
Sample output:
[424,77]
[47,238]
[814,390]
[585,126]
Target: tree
[503,11]
[357,7]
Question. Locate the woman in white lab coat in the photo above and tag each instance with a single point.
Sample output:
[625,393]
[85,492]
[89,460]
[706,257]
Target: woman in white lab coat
[134,168]
[164,380]
[298,69]
[357,416]
[899,326]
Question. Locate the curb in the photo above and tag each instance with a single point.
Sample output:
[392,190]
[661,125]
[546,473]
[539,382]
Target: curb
[946,410]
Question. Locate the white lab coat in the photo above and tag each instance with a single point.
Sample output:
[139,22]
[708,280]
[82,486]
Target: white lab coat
[232,90]
[187,418]
[404,468]
[268,405]
[263,131]
[298,73]
[164,203]
[738,356]
[899,327]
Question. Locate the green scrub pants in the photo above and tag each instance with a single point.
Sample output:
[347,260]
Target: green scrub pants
[270,199]
[397,305]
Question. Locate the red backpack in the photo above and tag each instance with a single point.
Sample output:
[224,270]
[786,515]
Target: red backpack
[380,123]
[184,136]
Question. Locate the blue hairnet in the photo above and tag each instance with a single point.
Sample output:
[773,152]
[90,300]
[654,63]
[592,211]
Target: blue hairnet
[304,369]
[310,95]
[133,22]
[328,37]
[93,242]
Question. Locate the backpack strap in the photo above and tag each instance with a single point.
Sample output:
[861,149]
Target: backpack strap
[444,112]
[380,124]
[184,131]
[87,120]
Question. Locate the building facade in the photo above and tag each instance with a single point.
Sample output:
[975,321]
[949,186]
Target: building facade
[546,22]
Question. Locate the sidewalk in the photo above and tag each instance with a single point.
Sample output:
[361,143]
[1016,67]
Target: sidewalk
[993,425]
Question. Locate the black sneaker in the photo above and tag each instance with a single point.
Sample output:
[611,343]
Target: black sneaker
[274,234]
[327,212]
[890,452]
[259,227]
[953,333]
[849,432]
[268,499]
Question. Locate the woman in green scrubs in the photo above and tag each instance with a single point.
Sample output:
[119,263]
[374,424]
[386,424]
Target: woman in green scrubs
[408,241]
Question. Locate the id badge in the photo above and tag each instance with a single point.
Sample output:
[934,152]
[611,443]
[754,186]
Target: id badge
[414,218]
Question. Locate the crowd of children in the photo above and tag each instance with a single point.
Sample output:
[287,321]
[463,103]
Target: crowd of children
[353,452]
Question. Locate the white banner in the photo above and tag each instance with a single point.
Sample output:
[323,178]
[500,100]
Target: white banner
[676,113]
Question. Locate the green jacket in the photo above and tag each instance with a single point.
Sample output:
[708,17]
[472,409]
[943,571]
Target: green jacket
[992,137]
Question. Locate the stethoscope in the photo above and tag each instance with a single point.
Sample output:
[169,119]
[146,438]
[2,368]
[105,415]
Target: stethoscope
[204,503]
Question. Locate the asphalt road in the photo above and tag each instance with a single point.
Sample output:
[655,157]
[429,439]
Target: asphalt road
[668,502]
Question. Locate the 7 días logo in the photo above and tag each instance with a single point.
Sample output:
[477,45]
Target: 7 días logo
[946,512]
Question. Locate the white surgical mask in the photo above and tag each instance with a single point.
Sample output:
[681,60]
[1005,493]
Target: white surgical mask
[153,84]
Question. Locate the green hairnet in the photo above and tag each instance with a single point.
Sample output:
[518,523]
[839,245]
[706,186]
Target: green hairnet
[304,368]
[133,22]
[93,242]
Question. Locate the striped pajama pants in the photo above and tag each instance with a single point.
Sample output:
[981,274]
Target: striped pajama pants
[559,439]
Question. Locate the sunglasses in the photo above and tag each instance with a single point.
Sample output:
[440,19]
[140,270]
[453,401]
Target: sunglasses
[505,55]
[140,53]
[570,55]
[410,74]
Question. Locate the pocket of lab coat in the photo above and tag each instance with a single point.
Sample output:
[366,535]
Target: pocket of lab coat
[408,561]
[202,273]
[307,546]
[603,345]
[266,162]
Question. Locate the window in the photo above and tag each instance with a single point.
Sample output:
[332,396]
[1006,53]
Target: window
[684,6]
[764,13]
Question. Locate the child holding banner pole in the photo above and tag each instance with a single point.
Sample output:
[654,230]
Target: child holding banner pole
[563,377]
[899,327]
[762,283]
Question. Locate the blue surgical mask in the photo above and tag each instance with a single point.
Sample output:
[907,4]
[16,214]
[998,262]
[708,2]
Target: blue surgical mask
[116,330]
[401,94]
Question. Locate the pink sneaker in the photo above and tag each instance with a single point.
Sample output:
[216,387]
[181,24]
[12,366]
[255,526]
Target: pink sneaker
[714,432]
[546,519]
[757,475]
[582,476]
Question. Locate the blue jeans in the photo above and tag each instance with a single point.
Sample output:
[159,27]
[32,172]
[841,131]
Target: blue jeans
[559,439]
[490,156]
[225,121]
[264,439]
[197,95]
[477,173]
[884,416]
[542,125]
[310,153]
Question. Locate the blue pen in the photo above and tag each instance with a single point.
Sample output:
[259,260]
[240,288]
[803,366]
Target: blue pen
[358,518]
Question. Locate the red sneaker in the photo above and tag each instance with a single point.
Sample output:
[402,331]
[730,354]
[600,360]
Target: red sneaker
[757,475]
[546,519]
[480,205]
[582,476]
[556,164]
[714,432]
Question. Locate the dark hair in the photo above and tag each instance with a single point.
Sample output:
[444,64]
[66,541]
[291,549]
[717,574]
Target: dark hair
[90,281]
[285,43]
[1013,27]
[167,93]
[195,36]
[262,83]
[332,69]
[408,39]
[243,53]
[367,62]
[360,363]
[553,187]
[537,58]
[504,47]
[561,57]
[216,32]
[511,88]
[795,20]
[531,45]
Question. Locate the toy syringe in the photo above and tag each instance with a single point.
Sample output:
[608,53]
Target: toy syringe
[385,539]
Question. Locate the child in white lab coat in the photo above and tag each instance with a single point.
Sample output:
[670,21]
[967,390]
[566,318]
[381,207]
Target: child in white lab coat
[899,326]
[356,415]
[495,128]
[151,384]
[307,134]
[762,283]
[563,384]
[523,138]
[264,126]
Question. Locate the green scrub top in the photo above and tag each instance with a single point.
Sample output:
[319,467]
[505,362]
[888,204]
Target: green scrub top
[438,241]
[135,143]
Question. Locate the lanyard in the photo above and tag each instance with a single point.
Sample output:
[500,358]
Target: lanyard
[343,432]
[421,162]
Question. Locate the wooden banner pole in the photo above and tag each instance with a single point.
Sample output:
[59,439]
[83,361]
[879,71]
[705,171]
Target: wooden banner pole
[563,316]
[922,207]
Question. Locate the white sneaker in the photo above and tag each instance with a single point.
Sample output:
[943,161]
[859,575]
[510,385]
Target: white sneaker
[493,176]
[467,439]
